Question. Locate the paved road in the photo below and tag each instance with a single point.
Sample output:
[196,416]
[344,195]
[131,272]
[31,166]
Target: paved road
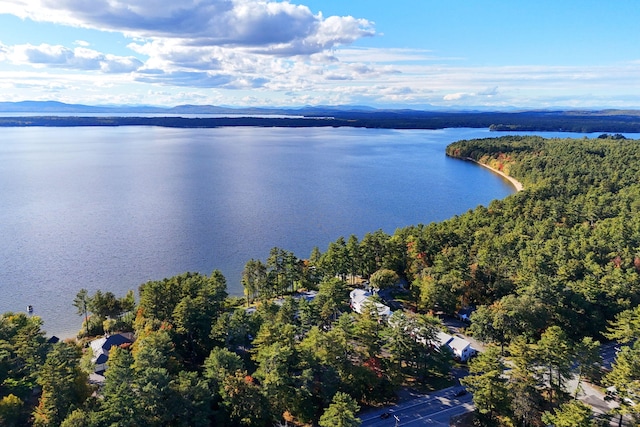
[429,410]
[437,408]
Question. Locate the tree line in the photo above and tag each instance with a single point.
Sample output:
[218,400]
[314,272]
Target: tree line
[543,121]
[202,358]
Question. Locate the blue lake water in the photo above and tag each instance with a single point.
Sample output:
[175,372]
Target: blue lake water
[110,208]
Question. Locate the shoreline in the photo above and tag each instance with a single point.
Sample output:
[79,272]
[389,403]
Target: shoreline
[516,184]
[378,119]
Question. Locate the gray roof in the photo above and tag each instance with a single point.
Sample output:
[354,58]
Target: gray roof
[102,346]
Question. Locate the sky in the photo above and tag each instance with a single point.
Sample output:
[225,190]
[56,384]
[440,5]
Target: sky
[442,54]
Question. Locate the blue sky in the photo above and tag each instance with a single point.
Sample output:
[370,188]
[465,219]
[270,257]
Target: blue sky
[491,54]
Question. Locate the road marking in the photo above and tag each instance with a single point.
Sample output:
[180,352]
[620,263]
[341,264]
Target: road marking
[421,401]
[467,406]
[399,408]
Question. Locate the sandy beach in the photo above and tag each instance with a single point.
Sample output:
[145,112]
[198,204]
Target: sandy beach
[516,184]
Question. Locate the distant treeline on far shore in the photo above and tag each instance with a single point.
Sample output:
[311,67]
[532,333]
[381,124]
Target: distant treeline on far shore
[549,121]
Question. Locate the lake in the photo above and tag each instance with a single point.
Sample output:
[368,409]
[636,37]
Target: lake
[111,208]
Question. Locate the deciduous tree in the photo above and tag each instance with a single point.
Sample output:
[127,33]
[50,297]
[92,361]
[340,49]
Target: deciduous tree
[384,279]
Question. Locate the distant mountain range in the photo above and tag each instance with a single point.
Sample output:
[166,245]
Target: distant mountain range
[57,114]
[52,107]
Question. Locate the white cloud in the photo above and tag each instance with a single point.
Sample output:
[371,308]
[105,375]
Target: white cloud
[388,55]
[187,78]
[79,58]
[271,27]
[214,43]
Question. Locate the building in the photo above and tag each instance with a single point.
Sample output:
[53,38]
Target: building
[359,298]
[102,346]
[459,347]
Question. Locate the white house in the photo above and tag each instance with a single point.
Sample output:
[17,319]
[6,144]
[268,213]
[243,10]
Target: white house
[102,346]
[360,297]
[460,348]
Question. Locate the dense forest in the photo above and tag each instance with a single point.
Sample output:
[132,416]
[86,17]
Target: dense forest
[551,269]
[560,121]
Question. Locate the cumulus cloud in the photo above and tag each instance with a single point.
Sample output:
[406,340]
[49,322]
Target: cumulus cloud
[277,27]
[206,43]
[79,58]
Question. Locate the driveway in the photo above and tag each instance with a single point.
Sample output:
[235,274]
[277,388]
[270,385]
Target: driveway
[456,327]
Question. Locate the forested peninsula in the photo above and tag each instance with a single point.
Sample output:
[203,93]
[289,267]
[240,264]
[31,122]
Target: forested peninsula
[558,121]
[550,269]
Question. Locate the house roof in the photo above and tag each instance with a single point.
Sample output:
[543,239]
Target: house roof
[442,338]
[383,310]
[359,297]
[458,344]
[101,346]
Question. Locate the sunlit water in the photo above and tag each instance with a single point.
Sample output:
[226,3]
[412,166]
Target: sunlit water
[110,208]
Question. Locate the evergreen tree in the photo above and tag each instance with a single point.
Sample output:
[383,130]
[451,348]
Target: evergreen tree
[341,412]
[555,356]
[120,405]
[220,364]
[571,414]
[64,385]
[624,377]
[524,383]
[487,383]
[244,403]
[193,406]
[81,302]
[588,360]
[10,411]
[153,368]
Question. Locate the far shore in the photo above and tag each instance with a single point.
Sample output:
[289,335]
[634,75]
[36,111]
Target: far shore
[516,184]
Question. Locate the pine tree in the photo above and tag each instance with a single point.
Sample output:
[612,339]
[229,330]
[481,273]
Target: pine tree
[486,382]
[64,385]
[341,412]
